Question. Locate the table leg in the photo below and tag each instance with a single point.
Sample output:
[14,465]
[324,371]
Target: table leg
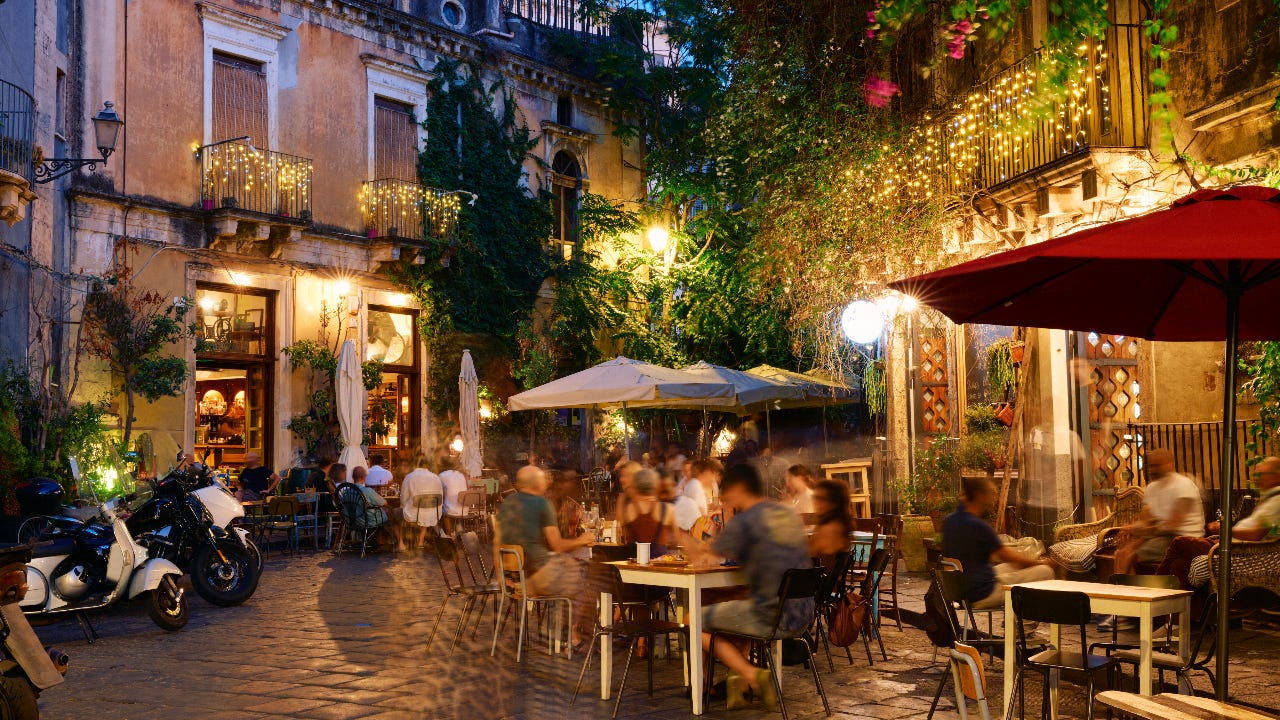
[1009,651]
[1184,634]
[606,646]
[695,646]
[1144,642]
[1055,637]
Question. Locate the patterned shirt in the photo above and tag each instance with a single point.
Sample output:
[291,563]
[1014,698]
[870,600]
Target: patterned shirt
[769,540]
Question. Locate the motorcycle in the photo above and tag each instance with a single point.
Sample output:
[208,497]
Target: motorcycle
[90,564]
[26,667]
[188,521]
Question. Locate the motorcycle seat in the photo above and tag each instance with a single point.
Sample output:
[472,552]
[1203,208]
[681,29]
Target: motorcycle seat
[60,546]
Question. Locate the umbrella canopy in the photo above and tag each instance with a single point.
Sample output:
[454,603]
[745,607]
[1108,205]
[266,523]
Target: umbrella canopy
[623,381]
[469,416]
[1205,268]
[748,389]
[348,384]
[815,390]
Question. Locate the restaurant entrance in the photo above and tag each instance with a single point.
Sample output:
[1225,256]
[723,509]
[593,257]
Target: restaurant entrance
[233,380]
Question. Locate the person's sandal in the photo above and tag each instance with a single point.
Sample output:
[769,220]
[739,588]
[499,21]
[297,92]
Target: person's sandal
[735,692]
[765,690]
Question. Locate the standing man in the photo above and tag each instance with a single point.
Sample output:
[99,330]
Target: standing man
[527,519]
[768,539]
[256,481]
[971,540]
[378,475]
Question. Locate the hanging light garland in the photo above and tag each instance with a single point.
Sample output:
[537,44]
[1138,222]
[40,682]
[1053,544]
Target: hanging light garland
[412,211]
[258,180]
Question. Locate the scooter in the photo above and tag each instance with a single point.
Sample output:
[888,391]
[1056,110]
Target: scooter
[26,667]
[96,563]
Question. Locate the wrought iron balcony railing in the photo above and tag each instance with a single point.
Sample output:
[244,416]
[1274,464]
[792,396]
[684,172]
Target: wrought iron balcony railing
[408,211]
[17,131]
[557,14]
[235,174]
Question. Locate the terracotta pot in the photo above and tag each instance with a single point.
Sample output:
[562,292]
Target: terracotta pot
[1004,413]
[1016,352]
[915,530]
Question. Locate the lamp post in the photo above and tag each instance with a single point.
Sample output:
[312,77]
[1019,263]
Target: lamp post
[106,131]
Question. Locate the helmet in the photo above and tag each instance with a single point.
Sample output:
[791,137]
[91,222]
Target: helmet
[40,496]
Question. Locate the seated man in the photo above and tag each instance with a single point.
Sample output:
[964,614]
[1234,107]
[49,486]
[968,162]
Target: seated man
[415,484]
[1189,559]
[455,483]
[969,539]
[768,539]
[375,514]
[256,480]
[527,519]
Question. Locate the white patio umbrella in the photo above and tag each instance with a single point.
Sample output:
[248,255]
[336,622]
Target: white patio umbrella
[623,382]
[469,416]
[817,390]
[749,390]
[352,399]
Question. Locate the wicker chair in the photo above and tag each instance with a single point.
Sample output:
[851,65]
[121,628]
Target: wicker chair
[1128,506]
[1254,564]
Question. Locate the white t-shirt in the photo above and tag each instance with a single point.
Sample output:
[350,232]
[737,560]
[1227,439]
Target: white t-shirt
[686,512]
[803,501]
[1162,497]
[378,475]
[420,482]
[698,494]
[454,483]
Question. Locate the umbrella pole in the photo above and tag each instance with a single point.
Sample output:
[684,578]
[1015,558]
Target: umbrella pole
[826,446]
[1228,470]
[702,438]
[626,438]
[768,428]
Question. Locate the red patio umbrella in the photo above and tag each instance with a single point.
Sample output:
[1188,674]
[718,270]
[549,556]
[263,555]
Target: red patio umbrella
[1205,268]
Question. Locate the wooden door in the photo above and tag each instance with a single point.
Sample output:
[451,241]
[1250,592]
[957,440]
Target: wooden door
[1115,379]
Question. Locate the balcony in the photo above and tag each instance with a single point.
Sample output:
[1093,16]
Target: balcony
[17,152]
[408,214]
[556,14]
[256,199]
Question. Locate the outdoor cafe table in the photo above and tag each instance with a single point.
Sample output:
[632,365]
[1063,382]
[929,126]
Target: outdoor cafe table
[693,580]
[1167,706]
[1123,600]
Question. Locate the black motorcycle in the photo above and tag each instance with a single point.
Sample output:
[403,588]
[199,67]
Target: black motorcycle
[188,521]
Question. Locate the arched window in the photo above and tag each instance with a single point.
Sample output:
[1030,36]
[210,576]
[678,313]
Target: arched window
[566,184]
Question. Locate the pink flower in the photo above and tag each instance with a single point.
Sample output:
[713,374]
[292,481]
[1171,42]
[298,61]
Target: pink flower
[964,27]
[877,91]
[871,33]
[955,48]
[871,16]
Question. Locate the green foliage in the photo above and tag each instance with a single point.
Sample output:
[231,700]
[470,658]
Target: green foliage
[935,485]
[37,437]
[981,419]
[1001,373]
[1263,372]
[318,428]
[131,330]
[986,440]
[873,386]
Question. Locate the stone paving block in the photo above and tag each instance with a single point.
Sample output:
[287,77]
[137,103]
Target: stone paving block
[339,711]
[288,706]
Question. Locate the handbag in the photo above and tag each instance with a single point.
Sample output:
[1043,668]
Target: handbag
[847,619]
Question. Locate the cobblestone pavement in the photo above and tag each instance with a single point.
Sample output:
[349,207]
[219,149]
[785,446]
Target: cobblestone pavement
[342,637]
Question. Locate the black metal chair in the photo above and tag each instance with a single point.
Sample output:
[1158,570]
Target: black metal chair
[797,583]
[870,587]
[355,518]
[282,516]
[1158,582]
[946,596]
[1059,608]
[457,584]
[831,591]
[1201,657]
[603,575]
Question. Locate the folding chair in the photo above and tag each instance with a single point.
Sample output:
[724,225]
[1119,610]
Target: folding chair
[466,586]
[515,592]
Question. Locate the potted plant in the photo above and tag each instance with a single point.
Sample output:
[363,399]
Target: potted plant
[1001,369]
[985,441]
[935,483]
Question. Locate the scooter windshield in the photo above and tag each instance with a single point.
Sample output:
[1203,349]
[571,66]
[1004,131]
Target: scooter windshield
[101,476]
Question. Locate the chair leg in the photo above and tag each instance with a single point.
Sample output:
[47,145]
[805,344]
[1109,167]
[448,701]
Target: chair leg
[475,628]
[524,613]
[631,651]
[653,648]
[587,663]
[777,681]
[462,621]
[817,681]
[1088,698]
[880,640]
[431,638]
[1017,679]
[866,644]
[937,695]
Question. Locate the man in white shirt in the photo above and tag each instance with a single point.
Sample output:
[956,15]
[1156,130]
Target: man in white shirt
[378,475]
[454,484]
[417,483]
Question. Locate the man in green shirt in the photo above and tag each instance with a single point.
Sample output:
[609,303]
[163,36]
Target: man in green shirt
[527,519]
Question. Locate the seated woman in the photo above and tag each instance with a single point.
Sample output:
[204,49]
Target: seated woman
[834,521]
[799,492]
[647,519]
[569,512]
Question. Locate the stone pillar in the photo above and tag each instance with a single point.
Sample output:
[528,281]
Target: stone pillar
[1048,481]
[897,398]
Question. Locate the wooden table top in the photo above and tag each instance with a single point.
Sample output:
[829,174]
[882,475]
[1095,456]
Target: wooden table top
[676,569]
[1167,706]
[1104,590]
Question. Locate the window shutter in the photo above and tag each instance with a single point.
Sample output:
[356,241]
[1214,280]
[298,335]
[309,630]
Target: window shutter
[395,141]
[239,100]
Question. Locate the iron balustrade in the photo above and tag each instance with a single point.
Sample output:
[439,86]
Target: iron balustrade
[409,211]
[558,14]
[17,131]
[235,174]
[1197,450]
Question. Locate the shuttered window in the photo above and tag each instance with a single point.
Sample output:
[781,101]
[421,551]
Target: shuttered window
[239,100]
[395,141]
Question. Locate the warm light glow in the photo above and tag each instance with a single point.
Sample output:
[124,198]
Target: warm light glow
[724,442]
[344,288]
[862,322]
[404,404]
[206,303]
[658,238]
[239,278]
[399,299]
[909,304]
[456,445]
[486,410]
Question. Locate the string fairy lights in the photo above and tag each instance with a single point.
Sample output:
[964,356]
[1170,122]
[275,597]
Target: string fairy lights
[236,174]
[408,210]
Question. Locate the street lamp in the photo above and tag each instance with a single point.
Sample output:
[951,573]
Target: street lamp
[862,322]
[658,238]
[106,131]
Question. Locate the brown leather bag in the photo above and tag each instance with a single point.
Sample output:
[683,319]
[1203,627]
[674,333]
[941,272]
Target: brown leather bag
[847,619]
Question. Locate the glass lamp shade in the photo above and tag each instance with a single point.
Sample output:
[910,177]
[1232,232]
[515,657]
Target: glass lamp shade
[106,128]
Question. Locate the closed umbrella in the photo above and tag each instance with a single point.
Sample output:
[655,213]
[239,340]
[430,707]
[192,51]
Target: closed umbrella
[469,416]
[1205,268]
[348,384]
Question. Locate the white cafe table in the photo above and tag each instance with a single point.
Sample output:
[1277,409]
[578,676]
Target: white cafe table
[1122,600]
[692,580]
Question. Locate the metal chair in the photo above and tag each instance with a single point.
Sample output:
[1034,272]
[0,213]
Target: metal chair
[475,511]
[1161,582]
[607,576]
[355,518]
[796,584]
[1061,608]
[947,594]
[831,591]
[970,680]
[970,611]
[309,521]
[870,590]
[282,513]
[1201,658]
[892,529]
[515,592]
[457,584]
[429,503]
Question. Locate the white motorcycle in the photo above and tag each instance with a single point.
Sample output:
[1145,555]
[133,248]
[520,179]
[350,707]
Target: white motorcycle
[87,565]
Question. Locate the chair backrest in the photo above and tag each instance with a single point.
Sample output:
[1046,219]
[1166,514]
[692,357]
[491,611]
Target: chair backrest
[834,582]
[951,586]
[428,501]
[1050,606]
[938,608]
[447,552]
[282,506]
[472,501]
[475,556]
[952,563]
[352,504]
[870,525]
[1159,582]
[890,524]
[511,559]
[973,679]
[797,583]
[875,569]
[1128,506]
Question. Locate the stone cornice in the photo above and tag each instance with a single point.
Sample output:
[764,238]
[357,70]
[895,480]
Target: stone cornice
[240,20]
[394,68]
[565,132]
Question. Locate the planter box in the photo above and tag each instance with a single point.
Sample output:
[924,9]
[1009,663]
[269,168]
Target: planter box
[915,529]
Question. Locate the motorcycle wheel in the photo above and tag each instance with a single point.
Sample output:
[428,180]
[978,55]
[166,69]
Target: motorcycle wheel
[32,528]
[17,699]
[167,605]
[224,583]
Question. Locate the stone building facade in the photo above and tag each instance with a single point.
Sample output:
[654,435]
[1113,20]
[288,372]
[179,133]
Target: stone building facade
[267,170]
